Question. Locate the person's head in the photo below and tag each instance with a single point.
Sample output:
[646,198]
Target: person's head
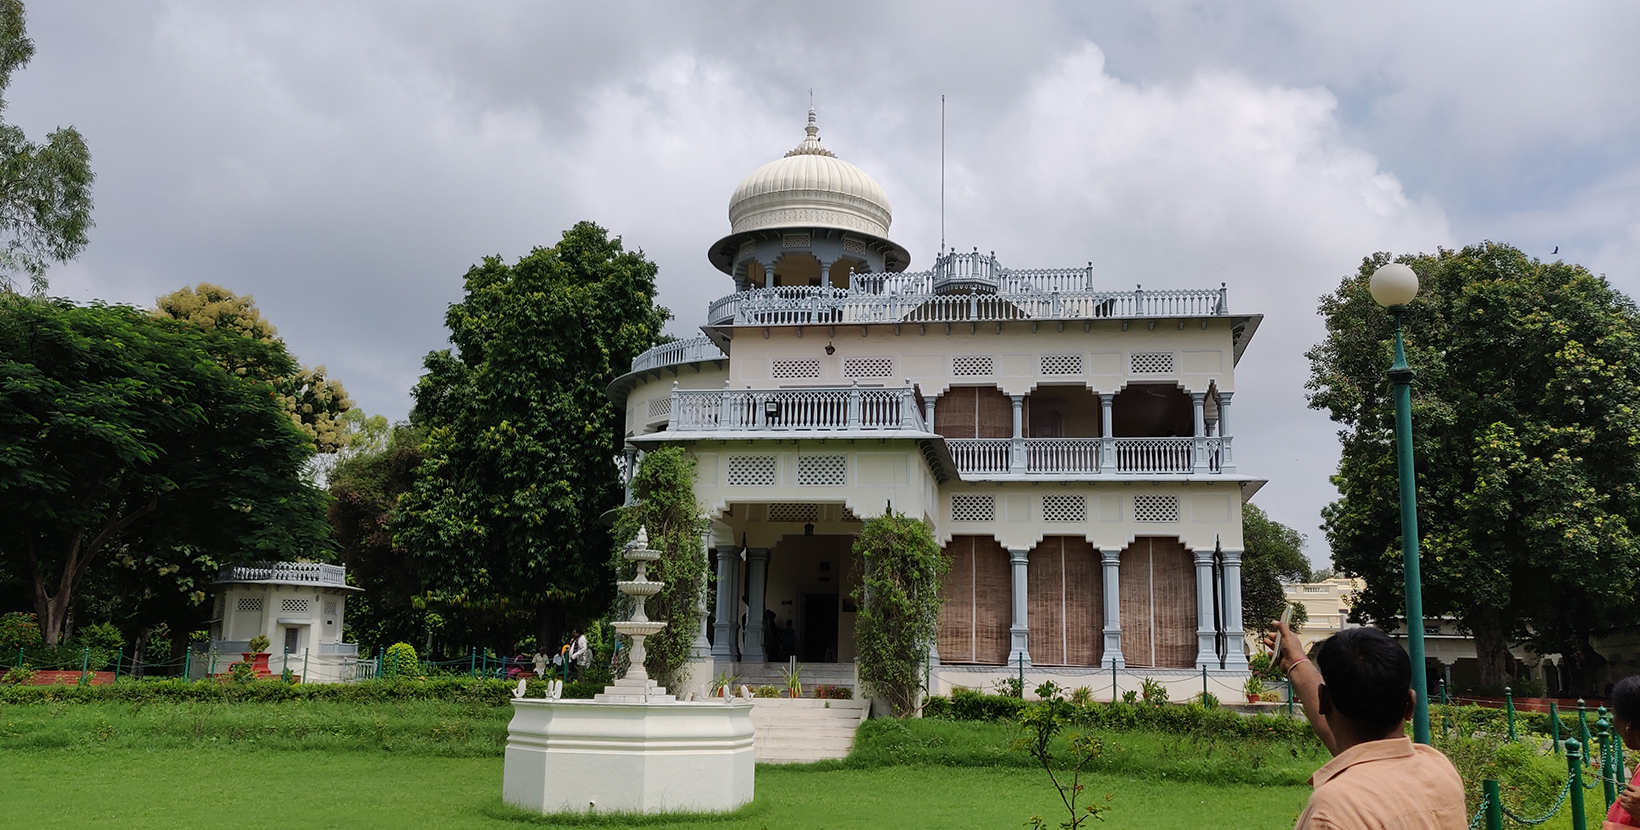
[575,632]
[788,623]
[1625,699]
[1367,679]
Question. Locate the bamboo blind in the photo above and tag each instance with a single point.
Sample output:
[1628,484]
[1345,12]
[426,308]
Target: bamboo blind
[974,614]
[1158,604]
[974,412]
[1065,593]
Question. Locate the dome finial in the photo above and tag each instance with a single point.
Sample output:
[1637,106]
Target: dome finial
[810,145]
[812,129]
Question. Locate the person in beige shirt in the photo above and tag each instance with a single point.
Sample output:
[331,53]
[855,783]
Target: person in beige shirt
[1357,694]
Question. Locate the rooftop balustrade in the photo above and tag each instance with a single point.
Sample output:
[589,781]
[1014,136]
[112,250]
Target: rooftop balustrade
[286,572]
[677,353]
[902,298]
[814,409]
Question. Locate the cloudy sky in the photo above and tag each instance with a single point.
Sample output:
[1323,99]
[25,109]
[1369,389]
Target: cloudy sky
[346,163]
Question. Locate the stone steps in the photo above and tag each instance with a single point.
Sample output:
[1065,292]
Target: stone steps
[812,674]
[800,731]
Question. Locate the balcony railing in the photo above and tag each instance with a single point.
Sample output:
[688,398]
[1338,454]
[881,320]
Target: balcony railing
[678,352]
[791,410]
[983,457]
[288,572]
[1018,299]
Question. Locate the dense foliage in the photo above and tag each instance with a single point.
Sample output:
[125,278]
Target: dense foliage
[964,704]
[521,437]
[665,490]
[1525,434]
[137,463]
[1273,553]
[899,601]
[45,189]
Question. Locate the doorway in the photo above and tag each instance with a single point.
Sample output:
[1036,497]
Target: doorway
[819,628]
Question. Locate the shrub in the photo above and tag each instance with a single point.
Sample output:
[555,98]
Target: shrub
[399,659]
[17,675]
[967,704]
[1082,696]
[1264,667]
[17,630]
[102,637]
[1198,721]
[766,691]
[258,644]
[1152,692]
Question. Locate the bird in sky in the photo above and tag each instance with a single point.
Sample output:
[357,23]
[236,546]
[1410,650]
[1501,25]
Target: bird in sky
[1555,251]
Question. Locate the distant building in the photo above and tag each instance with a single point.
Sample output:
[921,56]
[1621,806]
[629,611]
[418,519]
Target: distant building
[298,606]
[1328,605]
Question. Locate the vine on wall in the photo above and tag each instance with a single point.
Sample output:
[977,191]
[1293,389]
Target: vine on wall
[899,602]
[665,492]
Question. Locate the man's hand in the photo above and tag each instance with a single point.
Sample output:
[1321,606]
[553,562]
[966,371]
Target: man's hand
[1629,800]
[1291,649]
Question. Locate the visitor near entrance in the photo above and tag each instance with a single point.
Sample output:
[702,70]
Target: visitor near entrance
[1357,694]
[579,654]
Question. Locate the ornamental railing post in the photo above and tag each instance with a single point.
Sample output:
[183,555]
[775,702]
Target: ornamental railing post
[1492,794]
[726,414]
[1608,776]
[1574,768]
[1509,709]
[854,404]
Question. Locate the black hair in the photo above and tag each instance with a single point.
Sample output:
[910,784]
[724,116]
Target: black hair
[1626,699]
[1368,675]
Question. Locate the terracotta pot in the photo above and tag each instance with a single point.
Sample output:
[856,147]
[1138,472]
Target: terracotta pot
[1252,698]
[258,661]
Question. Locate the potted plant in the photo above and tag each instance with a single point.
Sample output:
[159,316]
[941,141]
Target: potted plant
[794,680]
[1253,687]
[258,655]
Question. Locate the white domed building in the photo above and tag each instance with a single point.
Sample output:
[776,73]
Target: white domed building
[1071,447]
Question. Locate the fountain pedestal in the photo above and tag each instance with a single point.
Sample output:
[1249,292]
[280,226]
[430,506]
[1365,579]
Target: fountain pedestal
[634,748]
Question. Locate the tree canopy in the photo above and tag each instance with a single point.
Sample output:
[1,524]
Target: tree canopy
[665,489]
[45,189]
[129,445]
[1527,445]
[1273,553]
[521,437]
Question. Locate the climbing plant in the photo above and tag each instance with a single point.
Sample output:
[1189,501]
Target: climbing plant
[899,602]
[665,492]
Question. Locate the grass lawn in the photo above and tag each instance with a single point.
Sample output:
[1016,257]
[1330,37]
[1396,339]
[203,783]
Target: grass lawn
[135,788]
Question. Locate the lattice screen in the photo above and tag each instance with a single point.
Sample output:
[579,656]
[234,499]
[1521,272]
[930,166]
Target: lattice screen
[786,512]
[330,607]
[746,250]
[1151,363]
[659,407]
[1155,508]
[751,471]
[250,604]
[1061,364]
[853,246]
[822,470]
[802,368]
[973,365]
[1065,508]
[868,367]
[794,240]
[973,508]
[293,606]
[848,514]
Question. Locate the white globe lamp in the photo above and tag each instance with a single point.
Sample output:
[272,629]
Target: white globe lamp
[1394,284]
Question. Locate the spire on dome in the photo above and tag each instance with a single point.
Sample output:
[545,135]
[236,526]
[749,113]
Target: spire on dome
[811,144]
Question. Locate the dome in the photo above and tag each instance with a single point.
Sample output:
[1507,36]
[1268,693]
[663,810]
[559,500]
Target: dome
[810,187]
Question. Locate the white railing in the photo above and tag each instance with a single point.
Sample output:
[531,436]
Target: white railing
[823,408]
[1155,455]
[980,456]
[678,352]
[312,572]
[1062,455]
[834,306]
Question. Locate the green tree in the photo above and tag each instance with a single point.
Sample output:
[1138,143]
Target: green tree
[365,486]
[1525,433]
[45,189]
[125,438]
[522,439]
[899,602]
[1273,553]
[315,403]
[665,490]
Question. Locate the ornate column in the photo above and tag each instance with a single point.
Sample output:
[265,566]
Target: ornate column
[629,473]
[757,572]
[1016,458]
[1107,440]
[1198,447]
[1206,636]
[1113,606]
[1233,631]
[1227,462]
[928,412]
[725,627]
[1019,632]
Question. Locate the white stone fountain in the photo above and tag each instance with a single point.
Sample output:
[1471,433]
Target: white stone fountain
[634,748]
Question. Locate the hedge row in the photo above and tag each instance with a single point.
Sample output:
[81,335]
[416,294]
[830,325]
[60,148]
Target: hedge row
[488,691]
[1180,720]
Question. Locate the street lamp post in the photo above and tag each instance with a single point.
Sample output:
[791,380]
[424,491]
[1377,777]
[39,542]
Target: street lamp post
[1393,286]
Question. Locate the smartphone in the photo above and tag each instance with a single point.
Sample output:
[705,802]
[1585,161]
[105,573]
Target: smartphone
[1275,654]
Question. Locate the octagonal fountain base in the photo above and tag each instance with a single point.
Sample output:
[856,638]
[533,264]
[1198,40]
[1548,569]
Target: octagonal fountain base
[631,757]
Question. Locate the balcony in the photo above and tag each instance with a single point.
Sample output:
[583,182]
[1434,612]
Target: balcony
[677,353]
[979,458]
[287,573]
[914,298]
[815,409]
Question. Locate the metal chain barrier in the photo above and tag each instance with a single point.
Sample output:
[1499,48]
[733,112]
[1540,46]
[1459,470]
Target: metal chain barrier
[1565,791]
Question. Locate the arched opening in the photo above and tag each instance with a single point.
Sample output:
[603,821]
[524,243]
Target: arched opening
[1065,603]
[974,412]
[838,274]
[1152,410]
[1158,603]
[756,276]
[974,614]
[1062,412]
[796,269]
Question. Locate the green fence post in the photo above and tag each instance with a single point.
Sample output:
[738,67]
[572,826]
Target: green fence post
[85,664]
[472,664]
[1443,692]
[304,666]
[1289,697]
[1603,729]
[1113,696]
[378,667]
[1494,804]
[1022,675]
[1509,710]
[1574,768]
[1204,685]
[187,664]
[118,659]
[1554,725]
[1583,722]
